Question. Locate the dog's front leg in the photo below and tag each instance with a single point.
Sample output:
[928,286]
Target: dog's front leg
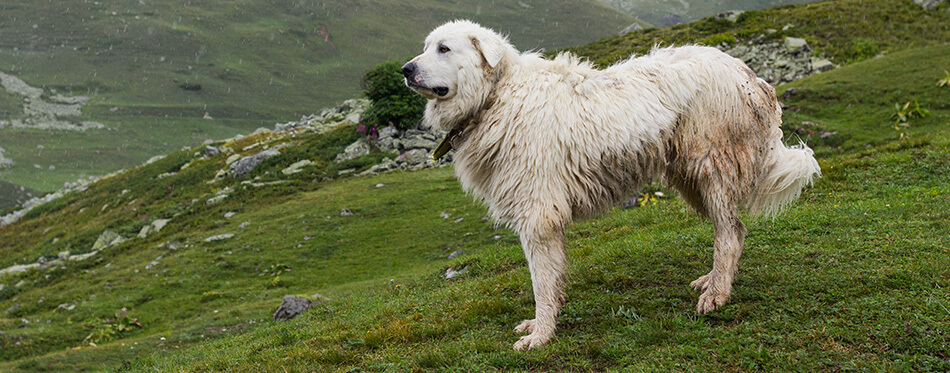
[543,244]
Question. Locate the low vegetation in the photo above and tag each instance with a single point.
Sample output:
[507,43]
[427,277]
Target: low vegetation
[392,102]
[854,276]
[844,30]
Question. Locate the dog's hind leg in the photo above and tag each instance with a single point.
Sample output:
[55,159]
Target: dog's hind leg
[716,286]
[542,239]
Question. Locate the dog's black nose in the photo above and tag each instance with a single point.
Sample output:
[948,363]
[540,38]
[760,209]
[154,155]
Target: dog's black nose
[408,69]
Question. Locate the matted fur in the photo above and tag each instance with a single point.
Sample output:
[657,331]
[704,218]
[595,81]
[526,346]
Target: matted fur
[545,142]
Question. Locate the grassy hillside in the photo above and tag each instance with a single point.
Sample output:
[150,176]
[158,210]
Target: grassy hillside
[256,62]
[844,30]
[667,12]
[851,277]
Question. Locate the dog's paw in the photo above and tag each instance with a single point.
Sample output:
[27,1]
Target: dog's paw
[530,341]
[702,283]
[711,300]
[526,327]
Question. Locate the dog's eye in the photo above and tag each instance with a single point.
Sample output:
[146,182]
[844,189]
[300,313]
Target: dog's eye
[443,49]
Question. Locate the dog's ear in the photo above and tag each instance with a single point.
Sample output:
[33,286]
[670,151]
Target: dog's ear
[491,47]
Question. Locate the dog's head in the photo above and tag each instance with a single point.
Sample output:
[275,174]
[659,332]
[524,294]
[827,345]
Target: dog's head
[457,68]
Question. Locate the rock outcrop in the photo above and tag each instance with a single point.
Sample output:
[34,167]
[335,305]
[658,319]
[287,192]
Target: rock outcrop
[292,305]
[929,4]
[38,113]
[349,111]
[5,162]
[780,62]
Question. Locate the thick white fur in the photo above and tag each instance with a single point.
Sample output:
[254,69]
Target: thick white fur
[545,142]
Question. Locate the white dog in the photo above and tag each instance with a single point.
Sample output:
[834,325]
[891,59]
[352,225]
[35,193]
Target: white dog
[545,142]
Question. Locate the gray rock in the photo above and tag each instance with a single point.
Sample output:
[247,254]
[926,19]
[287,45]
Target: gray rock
[388,144]
[929,4]
[18,268]
[388,132]
[346,212]
[452,273]
[353,151]
[414,157]
[81,257]
[385,165]
[290,307]
[247,164]
[220,237]
[155,227]
[796,45]
[216,199]
[633,27]
[297,167]
[731,15]
[417,143]
[821,65]
[456,253]
[211,151]
[5,162]
[106,240]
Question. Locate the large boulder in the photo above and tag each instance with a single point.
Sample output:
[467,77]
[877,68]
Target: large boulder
[796,45]
[247,164]
[106,240]
[355,150]
[291,307]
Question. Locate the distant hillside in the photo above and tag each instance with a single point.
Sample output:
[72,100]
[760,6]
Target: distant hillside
[12,195]
[154,69]
[663,13]
[843,30]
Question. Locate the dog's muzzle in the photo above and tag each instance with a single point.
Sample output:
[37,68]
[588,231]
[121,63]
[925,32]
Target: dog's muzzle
[411,72]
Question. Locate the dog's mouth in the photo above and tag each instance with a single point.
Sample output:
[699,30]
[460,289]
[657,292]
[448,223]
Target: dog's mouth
[437,91]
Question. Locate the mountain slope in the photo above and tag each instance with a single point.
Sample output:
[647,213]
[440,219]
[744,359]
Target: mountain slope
[852,276]
[667,12]
[154,69]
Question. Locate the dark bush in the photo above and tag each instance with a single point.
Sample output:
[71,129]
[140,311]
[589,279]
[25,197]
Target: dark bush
[392,102]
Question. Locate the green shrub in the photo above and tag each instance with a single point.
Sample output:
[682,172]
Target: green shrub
[723,38]
[392,102]
[863,49]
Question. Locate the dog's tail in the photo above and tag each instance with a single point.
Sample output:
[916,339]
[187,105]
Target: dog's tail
[788,171]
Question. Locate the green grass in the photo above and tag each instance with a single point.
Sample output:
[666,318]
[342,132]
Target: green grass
[300,228]
[857,101]
[854,276]
[257,62]
[844,30]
